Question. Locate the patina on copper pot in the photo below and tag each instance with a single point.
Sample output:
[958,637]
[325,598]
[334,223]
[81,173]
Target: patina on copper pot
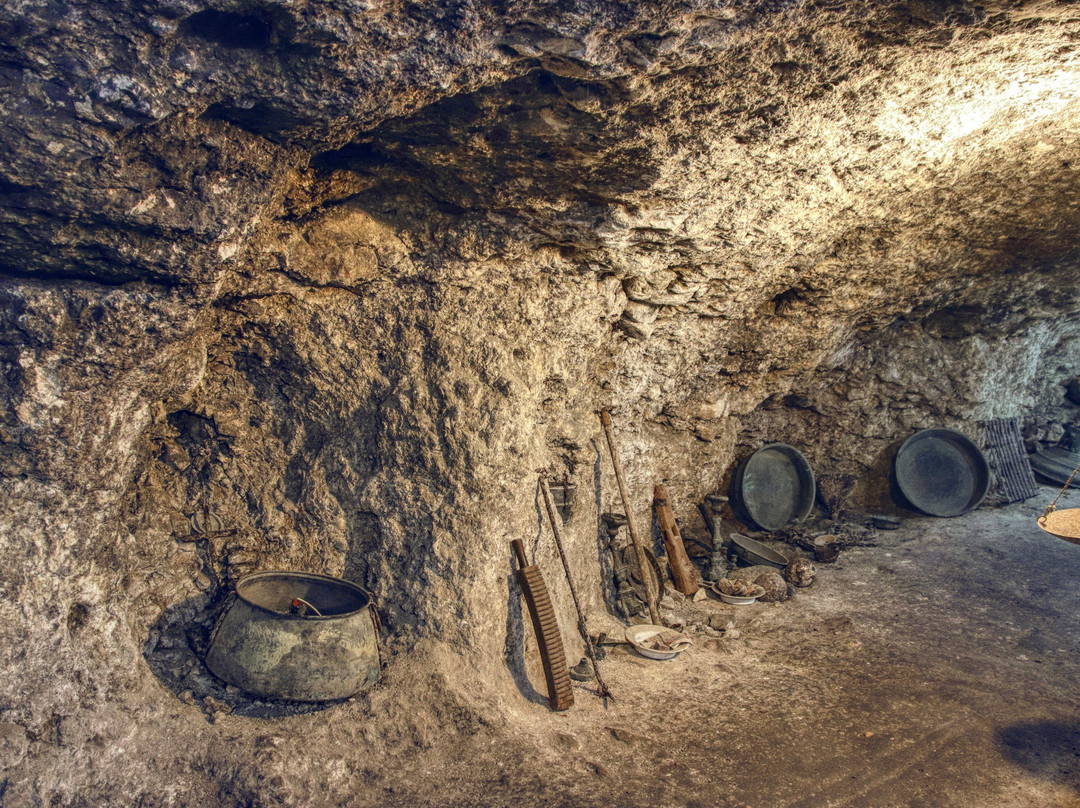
[260,647]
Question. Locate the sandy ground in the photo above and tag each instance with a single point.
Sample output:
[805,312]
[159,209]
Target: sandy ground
[938,668]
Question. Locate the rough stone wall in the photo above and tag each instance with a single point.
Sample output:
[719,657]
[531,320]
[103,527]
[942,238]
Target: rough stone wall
[853,413]
[323,285]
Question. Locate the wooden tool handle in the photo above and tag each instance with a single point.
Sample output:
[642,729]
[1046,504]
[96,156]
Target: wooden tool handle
[519,551]
[652,596]
[682,570]
[590,652]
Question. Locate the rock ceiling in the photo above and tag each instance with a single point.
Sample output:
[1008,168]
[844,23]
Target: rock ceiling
[156,140]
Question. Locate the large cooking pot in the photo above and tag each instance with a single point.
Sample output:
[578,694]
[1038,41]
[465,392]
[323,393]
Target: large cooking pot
[297,636]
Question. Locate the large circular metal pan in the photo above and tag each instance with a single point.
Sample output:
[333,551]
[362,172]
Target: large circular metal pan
[1056,464]
[775,487]
[941,472]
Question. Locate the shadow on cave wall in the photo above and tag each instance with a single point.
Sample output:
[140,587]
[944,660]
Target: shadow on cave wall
[514,650]
[262,468]
[603,544]
[337,439]
[536,137]
[514,647]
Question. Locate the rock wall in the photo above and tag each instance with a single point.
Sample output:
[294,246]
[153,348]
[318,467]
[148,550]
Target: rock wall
[322,286]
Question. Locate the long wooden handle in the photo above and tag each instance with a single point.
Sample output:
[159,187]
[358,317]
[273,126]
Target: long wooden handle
[651,594]
[684,572]
[601,686]
[519,551]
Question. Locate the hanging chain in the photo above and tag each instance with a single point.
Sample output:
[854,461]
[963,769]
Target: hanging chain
[1053,505]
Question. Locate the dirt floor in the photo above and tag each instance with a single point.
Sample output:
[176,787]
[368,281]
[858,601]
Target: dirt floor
[938,668]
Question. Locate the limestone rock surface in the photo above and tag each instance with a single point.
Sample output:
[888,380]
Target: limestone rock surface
[321,285]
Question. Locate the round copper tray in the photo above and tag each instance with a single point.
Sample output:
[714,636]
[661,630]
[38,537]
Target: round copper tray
[941,472]
[1063,524]
[775,487]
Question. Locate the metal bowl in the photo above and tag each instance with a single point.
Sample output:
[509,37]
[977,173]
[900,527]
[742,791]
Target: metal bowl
[739,600]
[775,487]
[941,472]
[637,636]
[754,552]
[1056,464]
[1063,524]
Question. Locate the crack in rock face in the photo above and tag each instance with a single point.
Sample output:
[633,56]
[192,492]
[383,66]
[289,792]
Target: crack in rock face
[322,285]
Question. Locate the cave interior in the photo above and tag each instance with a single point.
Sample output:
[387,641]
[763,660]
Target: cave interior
[328,285]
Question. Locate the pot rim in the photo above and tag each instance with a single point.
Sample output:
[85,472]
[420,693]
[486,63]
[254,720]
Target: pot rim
[310,576]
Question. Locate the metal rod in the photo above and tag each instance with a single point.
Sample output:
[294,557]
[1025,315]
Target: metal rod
[549,504]
[653,598]
[1053,505]
[718,559]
